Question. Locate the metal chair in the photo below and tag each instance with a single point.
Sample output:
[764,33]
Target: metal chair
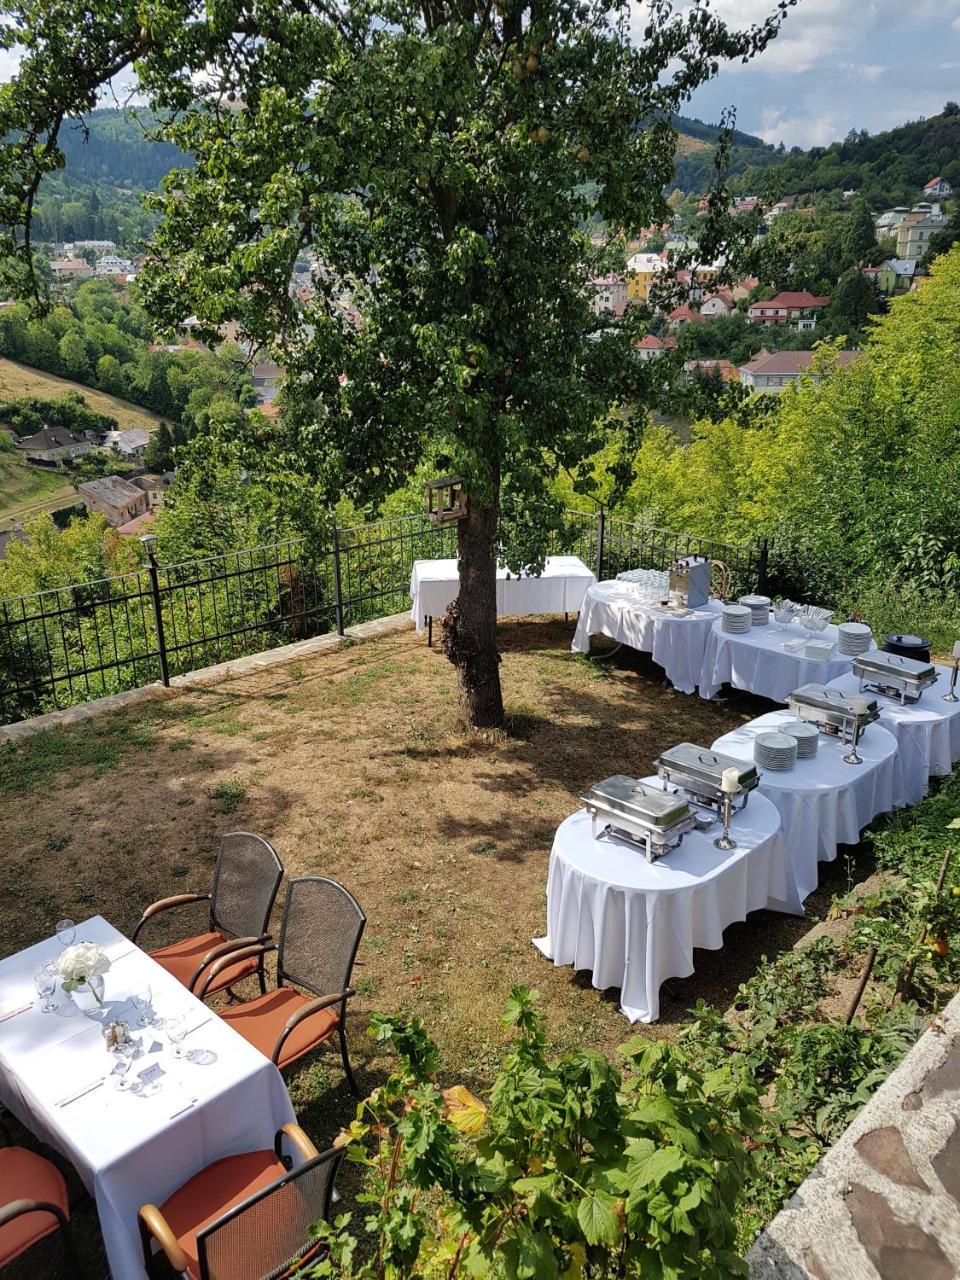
[33,1204]
[245,1217]
[246,880]
[319,935]
[721,580]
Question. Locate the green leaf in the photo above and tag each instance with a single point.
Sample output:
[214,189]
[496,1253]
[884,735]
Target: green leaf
[598,1218]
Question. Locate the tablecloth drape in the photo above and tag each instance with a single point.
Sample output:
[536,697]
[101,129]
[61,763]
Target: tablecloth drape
[822,801]
[633,924]
[677,644]
[559,589]
[757,662]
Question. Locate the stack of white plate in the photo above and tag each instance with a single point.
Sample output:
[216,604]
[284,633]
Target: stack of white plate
[775,751]
[853,638]
[806,734]
[736,618]
[759,607]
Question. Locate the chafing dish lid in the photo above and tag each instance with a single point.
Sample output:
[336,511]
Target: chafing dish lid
[824,698]
[631,799]
[705,765]
[893,664]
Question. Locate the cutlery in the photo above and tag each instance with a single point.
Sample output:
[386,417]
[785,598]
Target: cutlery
[12,1013]
[186,1107]
[197,1025]
[89,1088]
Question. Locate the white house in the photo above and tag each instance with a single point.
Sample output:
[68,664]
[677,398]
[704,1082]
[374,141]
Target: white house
[937,189]
[609,295]
[111,265]
[771,373]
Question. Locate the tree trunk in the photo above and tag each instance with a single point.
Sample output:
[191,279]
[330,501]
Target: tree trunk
[470,623]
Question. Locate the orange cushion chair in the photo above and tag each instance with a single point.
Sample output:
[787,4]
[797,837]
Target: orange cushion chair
[33,1204]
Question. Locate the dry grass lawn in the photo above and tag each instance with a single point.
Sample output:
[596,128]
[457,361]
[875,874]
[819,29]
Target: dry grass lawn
[355,766]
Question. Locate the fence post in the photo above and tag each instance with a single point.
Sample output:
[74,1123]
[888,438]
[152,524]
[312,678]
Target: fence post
[149,542]
[762,566]
[601,539]
[337,580]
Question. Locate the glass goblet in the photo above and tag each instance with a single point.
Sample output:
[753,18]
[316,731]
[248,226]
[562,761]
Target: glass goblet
[123,1052]
[141,997]
[46,983]
[66,932]
[175,1028]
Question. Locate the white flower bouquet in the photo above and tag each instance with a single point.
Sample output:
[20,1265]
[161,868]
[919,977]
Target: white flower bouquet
[78,964]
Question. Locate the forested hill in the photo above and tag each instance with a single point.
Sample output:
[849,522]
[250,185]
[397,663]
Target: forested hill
[114,150]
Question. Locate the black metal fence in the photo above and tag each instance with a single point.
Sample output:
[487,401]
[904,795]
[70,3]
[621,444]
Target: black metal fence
[71,644]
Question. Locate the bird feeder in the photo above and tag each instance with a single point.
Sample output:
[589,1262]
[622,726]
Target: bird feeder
[445,499]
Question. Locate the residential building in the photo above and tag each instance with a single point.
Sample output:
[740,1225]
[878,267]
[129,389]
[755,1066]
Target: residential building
[895,275]
[722,369]
[642,270]
[116,499]
[913,238]
[782,206]
[888,221]
[111,265]
[54,444]
[799,309]
[155,486]
[265,377]
[99,246]
[131,443]
[139,525]
[937,189]
[717,304]
[70,268]
[650,347]
[771,373]
[684,315]
[609,295]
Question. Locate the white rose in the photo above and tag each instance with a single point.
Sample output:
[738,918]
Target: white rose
[80,963]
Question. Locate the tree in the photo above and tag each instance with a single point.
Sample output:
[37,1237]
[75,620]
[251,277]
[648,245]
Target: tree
[438,163]
[859,233]
[854,301]
[158,455]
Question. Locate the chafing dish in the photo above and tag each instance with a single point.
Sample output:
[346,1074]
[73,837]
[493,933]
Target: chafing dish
[636,811]
[697,773]
[689,584]
[893,675]
[832,711]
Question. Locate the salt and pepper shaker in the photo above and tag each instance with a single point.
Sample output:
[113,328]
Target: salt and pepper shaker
[729,786]
[861,707]
[951,696]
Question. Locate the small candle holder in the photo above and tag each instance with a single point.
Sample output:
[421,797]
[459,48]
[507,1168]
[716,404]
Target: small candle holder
[951,696]
[726,841]
[852,757]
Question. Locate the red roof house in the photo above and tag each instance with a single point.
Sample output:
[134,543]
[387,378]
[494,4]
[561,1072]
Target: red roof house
[798,308]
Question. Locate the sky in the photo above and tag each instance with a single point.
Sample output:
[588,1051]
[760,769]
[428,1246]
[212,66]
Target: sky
[839,65]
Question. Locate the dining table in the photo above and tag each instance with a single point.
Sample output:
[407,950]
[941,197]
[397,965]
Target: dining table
[769,660]
[927,731]
[675,639]
[822,800]
[137,1145]
[633,924]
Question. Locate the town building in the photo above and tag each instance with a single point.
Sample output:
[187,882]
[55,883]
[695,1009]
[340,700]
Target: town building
[642,270]
[155,485]
[130,443]
[111,265]
[913,237]
[683,315]
[609,295]
[722,369]
[937,189]
[70,269]
[888,221]
[895,275]
[799,309]
[772,372]
[54,444]
[650,347]
[717,304]
[116,499]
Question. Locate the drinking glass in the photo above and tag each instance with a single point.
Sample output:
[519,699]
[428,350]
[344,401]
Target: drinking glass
[175,1028]
[46,983]
[66,932]
[123,1052]
[140,997]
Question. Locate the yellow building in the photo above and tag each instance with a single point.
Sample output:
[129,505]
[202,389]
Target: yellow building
[642,270]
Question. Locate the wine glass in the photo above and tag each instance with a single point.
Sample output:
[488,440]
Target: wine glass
[123,1051]
[46,983]
[66,932]
[175,1028]
[140,997]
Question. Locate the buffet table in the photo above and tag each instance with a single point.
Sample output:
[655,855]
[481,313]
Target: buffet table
[130,1149]
[634,924]
[928,731]
[757,662]
[434,584]
[676,643]
[822,801]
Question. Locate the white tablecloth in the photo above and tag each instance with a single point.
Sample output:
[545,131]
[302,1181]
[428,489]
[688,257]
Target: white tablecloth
[822,801]
[677,644]
[560,588]
[928,731]
[757,661]
[634,924]
[131,1150]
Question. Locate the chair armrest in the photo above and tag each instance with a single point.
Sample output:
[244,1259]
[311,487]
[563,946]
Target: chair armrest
[222,949]
[297,1139]
[158,1227]
[307,1011]
[14,1208]
[230,959]
[167,904]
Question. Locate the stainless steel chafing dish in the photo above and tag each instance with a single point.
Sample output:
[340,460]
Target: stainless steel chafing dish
[698,772]
[893,675]
[690,581]
[831,711]
[643,814]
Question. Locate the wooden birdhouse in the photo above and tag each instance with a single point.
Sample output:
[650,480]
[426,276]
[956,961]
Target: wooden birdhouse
[445,499]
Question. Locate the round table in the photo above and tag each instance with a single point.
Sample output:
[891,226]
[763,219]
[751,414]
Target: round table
[757,661]
[822,801]
[927,732]
[676,643]
[634,923]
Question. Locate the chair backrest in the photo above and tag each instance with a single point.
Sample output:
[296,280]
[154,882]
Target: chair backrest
[319,935]
[267,1236]
[245,884]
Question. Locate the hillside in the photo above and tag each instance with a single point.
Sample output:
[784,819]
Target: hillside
[27,491]
[20,380]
